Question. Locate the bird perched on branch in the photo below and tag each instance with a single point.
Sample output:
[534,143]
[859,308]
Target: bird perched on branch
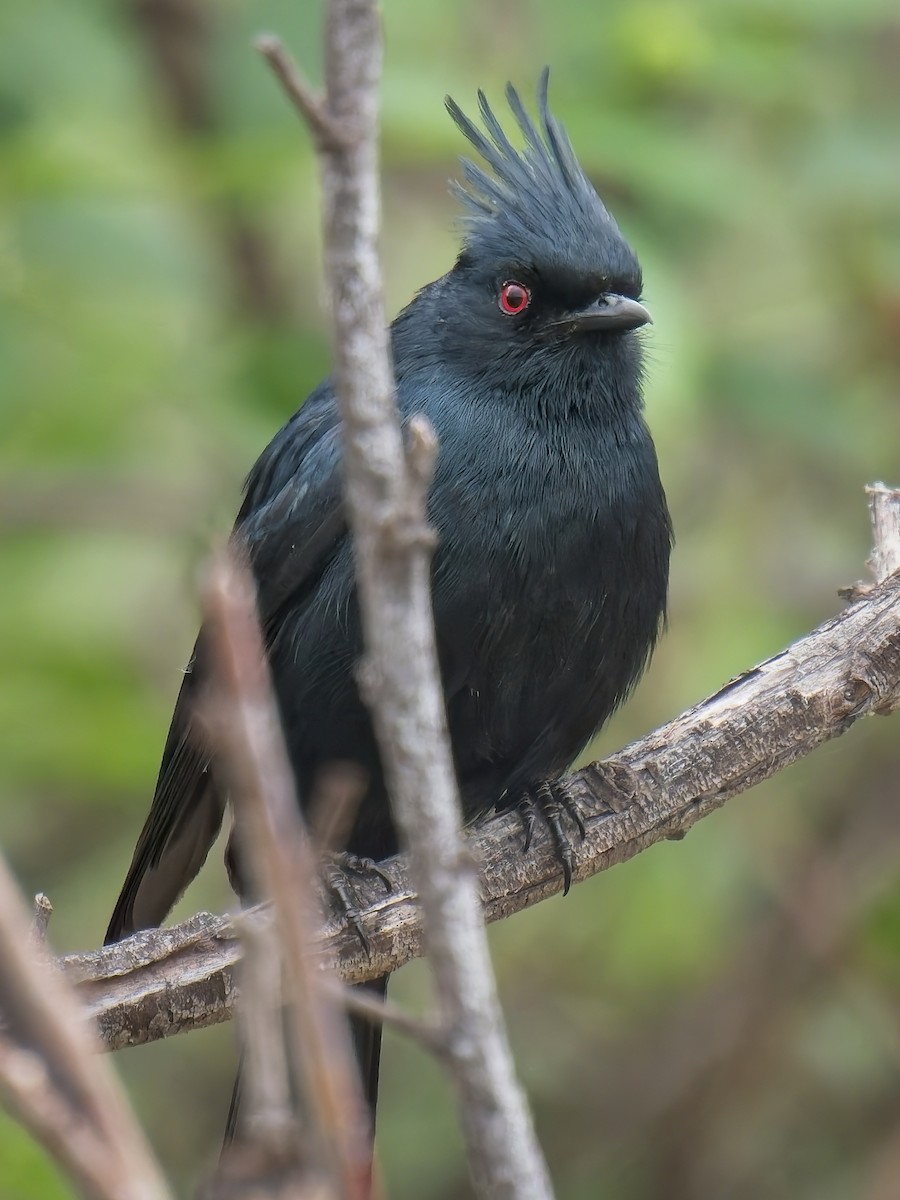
[550,575]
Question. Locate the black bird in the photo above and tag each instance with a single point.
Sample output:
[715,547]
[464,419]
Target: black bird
[550,576]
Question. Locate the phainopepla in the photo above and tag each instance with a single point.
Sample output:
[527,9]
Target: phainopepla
[549,581]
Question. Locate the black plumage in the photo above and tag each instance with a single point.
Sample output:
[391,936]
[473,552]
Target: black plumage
[550,576]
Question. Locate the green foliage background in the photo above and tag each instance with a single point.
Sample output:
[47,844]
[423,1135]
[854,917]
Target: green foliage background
[161,315]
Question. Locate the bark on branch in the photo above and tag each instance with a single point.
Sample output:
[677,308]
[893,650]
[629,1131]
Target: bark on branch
[387,472]
[163,982]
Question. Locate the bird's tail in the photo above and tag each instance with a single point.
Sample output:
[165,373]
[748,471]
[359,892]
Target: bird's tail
[367,1048]
[183,822]
[367,1045]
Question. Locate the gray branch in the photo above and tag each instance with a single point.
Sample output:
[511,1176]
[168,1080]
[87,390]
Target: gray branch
[385,484]
[884,508]
[311,1035]
[163,982]
[51,1078]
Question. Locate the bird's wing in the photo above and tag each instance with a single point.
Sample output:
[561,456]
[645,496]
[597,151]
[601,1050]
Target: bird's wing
[291,520]
[182,824]
[293,513]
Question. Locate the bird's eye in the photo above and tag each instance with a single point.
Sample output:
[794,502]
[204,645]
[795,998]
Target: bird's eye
[514,298]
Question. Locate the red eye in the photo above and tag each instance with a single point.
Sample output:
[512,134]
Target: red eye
[514,298]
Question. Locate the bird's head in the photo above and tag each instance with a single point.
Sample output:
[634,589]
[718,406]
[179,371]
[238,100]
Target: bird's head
[544,276]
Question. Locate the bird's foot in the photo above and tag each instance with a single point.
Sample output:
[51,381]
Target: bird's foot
[552,802]
[337,876]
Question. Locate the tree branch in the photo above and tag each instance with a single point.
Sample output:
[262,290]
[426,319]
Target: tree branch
[385,487]
[50,1077]
[163,982]
[274,849]
[178,38]
[884,507]
[311,106]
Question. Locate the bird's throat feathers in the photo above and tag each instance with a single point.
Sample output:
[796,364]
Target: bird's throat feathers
[449,338]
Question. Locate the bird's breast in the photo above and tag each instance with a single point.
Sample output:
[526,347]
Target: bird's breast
[542,534]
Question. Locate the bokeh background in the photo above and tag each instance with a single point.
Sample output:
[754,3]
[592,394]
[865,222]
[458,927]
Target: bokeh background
[718,1019]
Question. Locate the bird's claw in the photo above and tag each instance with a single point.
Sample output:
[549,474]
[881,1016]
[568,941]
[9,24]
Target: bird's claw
[526,810]
[338,882]
[552,801]
[364,866]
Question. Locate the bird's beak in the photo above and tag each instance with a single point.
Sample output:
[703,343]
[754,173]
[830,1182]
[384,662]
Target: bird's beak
[609,312]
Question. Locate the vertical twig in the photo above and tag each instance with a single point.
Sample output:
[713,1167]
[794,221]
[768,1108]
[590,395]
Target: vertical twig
[178,38]
[269,1115]
[277,853]
[386,485]
[884,510]
[40,919]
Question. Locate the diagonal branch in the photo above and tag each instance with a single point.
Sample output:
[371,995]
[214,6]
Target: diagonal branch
[50,1078]
[326,132]
[165,981]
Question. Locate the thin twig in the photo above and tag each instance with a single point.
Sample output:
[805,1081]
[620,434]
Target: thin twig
[69,1139]
[179,40]
[274,843]
[884,513]
[40,919]
[430,1036]
[884,509]
[268,1116]
[52,1076]
[312,107]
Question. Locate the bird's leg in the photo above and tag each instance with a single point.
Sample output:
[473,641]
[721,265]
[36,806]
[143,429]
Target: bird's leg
[552,802]
[337,872]
[364,866]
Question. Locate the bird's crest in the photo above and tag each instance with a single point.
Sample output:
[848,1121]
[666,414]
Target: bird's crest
[540,190]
